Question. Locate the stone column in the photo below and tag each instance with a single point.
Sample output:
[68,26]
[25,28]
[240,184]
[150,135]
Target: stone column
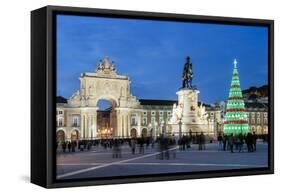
[82,126]
[122,124]
[86,126]
[125,125]
[139,123]
[128,125]
[119,123]
[92,123]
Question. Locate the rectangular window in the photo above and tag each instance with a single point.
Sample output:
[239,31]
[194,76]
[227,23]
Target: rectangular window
[60,124]
[133,121]
[169,115]
[258,120]
[144,121]
[253,121]
[152,120]
[75,122]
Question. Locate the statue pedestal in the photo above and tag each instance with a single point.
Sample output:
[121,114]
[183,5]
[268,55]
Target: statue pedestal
[188,101]
[192,115]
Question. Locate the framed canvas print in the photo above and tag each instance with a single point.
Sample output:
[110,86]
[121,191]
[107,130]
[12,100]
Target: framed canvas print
[124,96]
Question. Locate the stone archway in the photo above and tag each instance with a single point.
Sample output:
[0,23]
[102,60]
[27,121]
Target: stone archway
[107,117]
[74,136]
[104,84]
[134,133]
[259,130]
[60,136]
[144,132]
[253,129]
[265,130]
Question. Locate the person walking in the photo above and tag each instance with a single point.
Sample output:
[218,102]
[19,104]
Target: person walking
[231,142]
[141,142]
[240,142]
[73,145]
[201,141]
[133,145]
[249,142]
[69,146]
[224,142]
[254,137]
[63,147]
[220,142]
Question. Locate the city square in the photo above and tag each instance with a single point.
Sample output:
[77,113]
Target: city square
[98,161]
[157,114]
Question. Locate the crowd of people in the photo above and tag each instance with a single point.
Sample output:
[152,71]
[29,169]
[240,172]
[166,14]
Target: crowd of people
[236,142]
[166,144]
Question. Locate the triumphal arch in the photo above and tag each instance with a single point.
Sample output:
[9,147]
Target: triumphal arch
[104,84]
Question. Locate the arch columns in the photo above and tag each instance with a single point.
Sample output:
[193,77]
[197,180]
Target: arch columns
[88,122]
[123,122]
[139,123]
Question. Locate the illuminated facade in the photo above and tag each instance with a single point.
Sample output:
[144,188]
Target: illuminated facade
[79,117]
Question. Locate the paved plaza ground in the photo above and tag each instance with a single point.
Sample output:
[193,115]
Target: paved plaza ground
[98,162]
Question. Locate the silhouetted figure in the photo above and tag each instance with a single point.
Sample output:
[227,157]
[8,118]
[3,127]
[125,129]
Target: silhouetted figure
[133,145]
[183,142]
[69,146]
[255,137]
[249,142]
[224,141]
[141,148]
[220,142]
[116,149]
[201,142]
[231,142]
[73,145]
[63,147]
[240,142]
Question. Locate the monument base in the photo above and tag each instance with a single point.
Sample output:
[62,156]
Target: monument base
[190,113]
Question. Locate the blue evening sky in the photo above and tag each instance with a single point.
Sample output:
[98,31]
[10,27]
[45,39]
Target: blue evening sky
[152,54]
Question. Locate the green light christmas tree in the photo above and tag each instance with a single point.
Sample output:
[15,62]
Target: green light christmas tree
[236,119]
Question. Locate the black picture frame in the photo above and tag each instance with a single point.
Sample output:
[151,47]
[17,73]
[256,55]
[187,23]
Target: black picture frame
[43,94]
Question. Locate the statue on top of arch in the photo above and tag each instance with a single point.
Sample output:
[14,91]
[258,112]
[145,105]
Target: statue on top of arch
[106,67]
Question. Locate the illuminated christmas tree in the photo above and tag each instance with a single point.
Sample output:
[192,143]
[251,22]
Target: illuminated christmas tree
[236,119]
